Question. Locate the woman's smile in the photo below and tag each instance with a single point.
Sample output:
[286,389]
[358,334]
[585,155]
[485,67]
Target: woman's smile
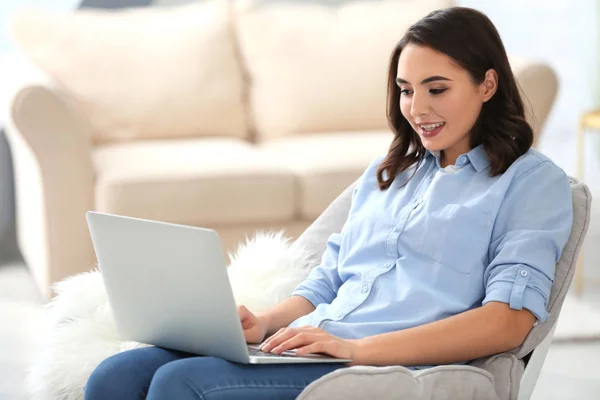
[431,129]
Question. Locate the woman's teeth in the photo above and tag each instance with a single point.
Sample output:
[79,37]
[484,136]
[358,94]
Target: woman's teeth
[431,127]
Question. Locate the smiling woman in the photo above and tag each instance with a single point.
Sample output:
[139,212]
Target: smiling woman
[448,251]
[468,93]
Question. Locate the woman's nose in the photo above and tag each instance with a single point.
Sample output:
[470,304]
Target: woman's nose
[419,106]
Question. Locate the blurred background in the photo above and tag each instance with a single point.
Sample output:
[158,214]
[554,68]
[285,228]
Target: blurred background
[228,114]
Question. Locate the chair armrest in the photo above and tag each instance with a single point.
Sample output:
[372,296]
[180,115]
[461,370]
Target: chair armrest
[54,182]
[314,239]
[534,366]
[539,85]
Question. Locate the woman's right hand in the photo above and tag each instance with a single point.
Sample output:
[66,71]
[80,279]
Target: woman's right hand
[255,327]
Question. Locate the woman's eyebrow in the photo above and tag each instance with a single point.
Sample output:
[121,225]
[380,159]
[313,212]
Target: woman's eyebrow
[424,81]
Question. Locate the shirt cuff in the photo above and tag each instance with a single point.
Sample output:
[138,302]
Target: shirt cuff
[518,295]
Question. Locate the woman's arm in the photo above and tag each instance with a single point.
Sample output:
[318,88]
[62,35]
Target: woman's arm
[491,329]
[284,313]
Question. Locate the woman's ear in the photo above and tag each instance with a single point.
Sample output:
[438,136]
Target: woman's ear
[489,85]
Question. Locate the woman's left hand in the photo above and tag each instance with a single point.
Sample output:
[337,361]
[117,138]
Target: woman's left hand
[307,339]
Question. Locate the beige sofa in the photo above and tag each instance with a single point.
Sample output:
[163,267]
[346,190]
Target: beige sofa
[233,115]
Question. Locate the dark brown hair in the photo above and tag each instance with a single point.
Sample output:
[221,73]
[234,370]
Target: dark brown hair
[471,40]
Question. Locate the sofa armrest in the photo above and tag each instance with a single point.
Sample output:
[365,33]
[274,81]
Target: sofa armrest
[539,85]
[54,183]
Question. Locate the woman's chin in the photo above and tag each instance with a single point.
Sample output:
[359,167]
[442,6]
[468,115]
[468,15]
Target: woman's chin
[432,144]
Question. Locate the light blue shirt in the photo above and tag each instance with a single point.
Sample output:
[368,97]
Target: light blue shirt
[450,240]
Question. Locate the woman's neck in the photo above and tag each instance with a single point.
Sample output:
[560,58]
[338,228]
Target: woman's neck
[448,156]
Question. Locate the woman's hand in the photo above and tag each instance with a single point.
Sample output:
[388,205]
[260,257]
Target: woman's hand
[255,327]
[308,339]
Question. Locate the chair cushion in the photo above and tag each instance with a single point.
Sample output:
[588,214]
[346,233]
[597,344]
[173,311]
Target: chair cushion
[324,164]
[319,67]
[507,371]
[199,182]
[145,72]
[447,382]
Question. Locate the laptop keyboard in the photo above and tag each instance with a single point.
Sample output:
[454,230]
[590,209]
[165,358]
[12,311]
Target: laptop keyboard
[256,352]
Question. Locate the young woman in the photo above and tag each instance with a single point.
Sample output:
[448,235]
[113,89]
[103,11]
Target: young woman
[449,250]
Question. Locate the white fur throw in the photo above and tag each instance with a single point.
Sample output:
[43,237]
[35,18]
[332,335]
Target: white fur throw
[80,330]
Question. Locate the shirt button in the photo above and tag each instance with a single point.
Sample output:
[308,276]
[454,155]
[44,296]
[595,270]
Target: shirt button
[365,288]
[397,229]
[386,265]
[340,314]
[463,159]
[523,273]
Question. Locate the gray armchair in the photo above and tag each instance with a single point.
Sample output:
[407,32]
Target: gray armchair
[507,376]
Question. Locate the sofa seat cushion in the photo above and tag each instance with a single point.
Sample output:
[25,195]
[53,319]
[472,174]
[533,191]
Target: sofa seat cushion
[200,182]
[324,164]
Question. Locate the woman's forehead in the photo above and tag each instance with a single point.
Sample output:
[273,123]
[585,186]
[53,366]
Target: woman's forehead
[419,62]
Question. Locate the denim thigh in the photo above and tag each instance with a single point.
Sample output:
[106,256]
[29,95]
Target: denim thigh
[127,375]
[156,373]
[210,378]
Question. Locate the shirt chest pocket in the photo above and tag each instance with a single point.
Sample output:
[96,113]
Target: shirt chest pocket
[455,236]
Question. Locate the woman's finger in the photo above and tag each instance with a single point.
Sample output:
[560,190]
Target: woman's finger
[284,334]
[275,340]
[273,336]
[298,340]
[316,347]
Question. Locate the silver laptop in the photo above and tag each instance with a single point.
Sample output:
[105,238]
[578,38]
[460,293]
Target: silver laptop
[168,286]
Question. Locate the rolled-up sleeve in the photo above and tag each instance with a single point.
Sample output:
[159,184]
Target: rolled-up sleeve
[530,232]
[323,282]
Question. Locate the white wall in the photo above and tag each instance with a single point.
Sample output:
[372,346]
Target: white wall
[563,33]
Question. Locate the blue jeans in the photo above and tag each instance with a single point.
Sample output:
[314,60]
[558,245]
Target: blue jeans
[156,373]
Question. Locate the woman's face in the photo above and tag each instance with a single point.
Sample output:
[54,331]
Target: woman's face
[440,100]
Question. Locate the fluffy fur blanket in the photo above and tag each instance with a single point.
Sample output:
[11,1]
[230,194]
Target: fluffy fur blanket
[79,330]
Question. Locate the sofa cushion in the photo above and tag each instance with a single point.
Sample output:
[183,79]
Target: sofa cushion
[199,182]
[318,68]
[324,164]
[538,85]
[143,73]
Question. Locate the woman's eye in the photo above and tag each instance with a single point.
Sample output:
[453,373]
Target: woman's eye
[406,92]
[437,91]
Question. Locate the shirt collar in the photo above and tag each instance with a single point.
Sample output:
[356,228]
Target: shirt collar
[434,153]
[477,156]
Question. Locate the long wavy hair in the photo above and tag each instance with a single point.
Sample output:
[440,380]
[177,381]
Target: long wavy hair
[471,40]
